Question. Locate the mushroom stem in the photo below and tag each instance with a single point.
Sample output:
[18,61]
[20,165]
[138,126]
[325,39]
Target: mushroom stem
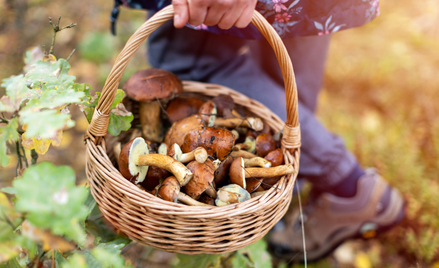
[199,154]
[242,153]
[269,172]
[149,115]
[249,122]
[257,162]
[248,145]
[184,198]
[183,174]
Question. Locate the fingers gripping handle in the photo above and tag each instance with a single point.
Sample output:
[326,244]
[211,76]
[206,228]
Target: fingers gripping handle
[99,124]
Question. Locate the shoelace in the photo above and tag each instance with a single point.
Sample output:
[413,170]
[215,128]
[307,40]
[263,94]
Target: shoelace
[114,15]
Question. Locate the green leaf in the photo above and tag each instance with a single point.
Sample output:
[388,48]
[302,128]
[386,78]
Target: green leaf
[86,88]
[11,264]
[53,76]
[52,99]
[200,261]
[76,261]
[8,133]
[8,190]
[16,90]
[105,254]
[257,254]
[118,98]
[96,226]
[240,261]
[119,123]
[51,200]
[46,128]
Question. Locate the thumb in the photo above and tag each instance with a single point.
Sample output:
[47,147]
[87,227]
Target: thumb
[181,13]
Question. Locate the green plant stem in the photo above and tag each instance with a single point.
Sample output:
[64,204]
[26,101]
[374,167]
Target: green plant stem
[71,54]
[19,164]
[24,154]
[8,221]
[34,156]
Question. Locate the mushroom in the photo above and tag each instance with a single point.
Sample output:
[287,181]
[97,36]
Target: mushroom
[252,184]
[242,153]
[148,87]
[154,176]
[222,171]
[249,122]
[225,106]
[264,144]
[231,194]
[207,200]
[275,157]
[202,180]
[217,141]
[178,130]
[182,107]
[135,159]
[199,154]
[208,113]
[238,172]
[170,191]
[248,145]
[257,162]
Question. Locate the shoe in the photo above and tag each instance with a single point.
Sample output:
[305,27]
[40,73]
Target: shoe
[330,220]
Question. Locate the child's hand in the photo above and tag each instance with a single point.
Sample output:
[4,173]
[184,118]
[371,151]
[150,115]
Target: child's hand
[224,13]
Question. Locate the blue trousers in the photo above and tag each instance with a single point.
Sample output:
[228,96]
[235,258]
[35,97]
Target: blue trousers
[250,67]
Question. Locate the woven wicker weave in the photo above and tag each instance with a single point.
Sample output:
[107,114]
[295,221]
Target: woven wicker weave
[176,227]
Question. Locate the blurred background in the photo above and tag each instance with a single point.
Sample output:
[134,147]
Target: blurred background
[380,93]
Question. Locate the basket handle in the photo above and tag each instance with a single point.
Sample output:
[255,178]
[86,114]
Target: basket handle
[99,123]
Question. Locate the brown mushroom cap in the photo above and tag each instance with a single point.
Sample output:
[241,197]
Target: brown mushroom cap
[217,141]
[222,172]
[207,199]
[237,172]
[153,177]
[265,144]
[275,157]
[180,128]
[208,113]
[182,107]
[127,160]
[202,179]
[152,84]
[252,184]
[224,102]
[170,189]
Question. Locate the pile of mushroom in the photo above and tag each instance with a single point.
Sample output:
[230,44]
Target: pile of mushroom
[212,153]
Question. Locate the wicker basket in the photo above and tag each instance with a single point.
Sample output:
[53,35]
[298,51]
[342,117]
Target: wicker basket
[176,227]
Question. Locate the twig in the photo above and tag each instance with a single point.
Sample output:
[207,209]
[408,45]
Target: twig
[127,247]
[57,29]
[71,54]
[301,220]
[24,155]
[8,221]
[19,164]
[53,259]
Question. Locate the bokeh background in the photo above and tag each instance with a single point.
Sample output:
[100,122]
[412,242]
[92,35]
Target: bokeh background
[380,93]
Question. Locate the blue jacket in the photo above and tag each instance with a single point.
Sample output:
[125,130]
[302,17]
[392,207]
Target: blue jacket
[290,18]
